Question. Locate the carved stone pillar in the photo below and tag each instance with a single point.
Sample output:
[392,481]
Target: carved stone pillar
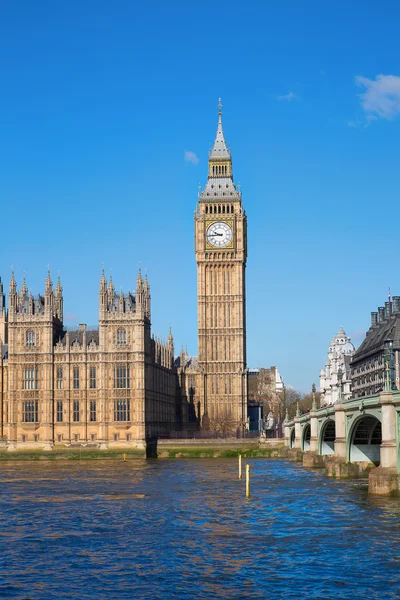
[340,429]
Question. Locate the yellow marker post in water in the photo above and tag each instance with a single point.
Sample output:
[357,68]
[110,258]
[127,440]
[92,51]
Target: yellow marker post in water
[247,481]
[124,457]
[240,466]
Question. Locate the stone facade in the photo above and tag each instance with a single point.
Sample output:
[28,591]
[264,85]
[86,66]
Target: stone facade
[110,386]
[115,384]
[377,358]
[340,353]
[221,253]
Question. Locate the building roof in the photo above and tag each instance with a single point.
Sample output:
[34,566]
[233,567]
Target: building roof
[92,335]
[377,335]
[219,149]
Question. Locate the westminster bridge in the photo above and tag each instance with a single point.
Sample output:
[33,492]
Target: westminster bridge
[350,439]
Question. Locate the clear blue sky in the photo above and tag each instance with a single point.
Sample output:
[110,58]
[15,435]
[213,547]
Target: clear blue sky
[99,101]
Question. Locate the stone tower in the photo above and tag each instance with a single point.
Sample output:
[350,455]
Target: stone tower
[221,252]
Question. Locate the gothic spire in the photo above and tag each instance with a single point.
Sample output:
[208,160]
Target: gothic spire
[219,149]
[220,185]
[49,283]
[24,288]
[13,283]
[103,281]
[2,298]
[111,284]
[59,288]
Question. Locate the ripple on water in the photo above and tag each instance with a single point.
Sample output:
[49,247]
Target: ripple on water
[184,529]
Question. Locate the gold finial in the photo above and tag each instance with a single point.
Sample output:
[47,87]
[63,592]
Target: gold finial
[220,107]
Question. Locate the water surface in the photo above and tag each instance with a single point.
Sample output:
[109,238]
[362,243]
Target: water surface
[184,529]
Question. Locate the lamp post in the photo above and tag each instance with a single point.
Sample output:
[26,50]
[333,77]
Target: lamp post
[340,384]
[387,361]
[313,389]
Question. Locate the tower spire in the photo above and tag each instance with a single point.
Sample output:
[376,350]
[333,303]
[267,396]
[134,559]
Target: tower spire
[219,149]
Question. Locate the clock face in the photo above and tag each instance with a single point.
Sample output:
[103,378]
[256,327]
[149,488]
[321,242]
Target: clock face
[219,234]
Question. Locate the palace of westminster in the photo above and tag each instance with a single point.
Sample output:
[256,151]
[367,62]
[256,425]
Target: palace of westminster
[117,385]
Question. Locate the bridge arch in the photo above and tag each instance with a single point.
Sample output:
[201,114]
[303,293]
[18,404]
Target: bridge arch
[364,440]
[292,438]
[326,445]
[306,437]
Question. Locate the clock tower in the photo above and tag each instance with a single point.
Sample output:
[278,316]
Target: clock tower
[221,252]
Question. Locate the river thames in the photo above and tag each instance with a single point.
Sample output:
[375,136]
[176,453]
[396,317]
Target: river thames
[184,529]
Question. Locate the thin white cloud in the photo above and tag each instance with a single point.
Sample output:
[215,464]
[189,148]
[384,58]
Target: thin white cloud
[288,97]
[191,157]
[381,98]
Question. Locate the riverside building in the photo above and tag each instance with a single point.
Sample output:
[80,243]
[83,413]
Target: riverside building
[116,384]
[378,356]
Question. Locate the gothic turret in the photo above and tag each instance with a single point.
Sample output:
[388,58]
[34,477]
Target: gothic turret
[110,291]
[146,297]
[48,293]
[3,317]
[2,299]
[103,294]
[24,289]
[58,300]
[12,294]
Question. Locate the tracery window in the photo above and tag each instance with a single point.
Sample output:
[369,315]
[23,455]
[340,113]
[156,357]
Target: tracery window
[92,378]
[122,410]
[121,336]
[31,378]
[59,378]
[76,411]
[93,411]
[30,411]
[59,411]
[76,378]
[122,378]
[30,339]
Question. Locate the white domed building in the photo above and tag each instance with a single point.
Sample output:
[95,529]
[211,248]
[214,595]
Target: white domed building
[340,354]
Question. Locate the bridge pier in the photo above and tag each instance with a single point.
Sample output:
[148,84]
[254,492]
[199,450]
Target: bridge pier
[385,480]
[314,431]
[312,460]
[340,431]
[337,467]
[298,432]
[295,455]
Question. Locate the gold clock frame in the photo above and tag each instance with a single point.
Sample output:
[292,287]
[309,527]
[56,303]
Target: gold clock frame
[218,219]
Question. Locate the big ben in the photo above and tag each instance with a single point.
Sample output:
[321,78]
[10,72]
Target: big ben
[221,253]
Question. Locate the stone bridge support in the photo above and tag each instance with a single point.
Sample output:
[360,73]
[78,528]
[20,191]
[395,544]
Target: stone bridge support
[298,433]
[311,458]
[385,479]
[340,429]
[295,453]
[337,466]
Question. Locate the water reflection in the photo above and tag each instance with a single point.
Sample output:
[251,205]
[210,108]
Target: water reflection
[184,529]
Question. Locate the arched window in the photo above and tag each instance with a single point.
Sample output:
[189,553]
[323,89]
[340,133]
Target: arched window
[223,208]
[219,208]
[121,337]
[206,209]
[30,339]
[232,208]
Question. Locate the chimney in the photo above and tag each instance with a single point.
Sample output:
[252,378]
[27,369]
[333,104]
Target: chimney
[388,310]
[374,319]
[396,304]
[381,314]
